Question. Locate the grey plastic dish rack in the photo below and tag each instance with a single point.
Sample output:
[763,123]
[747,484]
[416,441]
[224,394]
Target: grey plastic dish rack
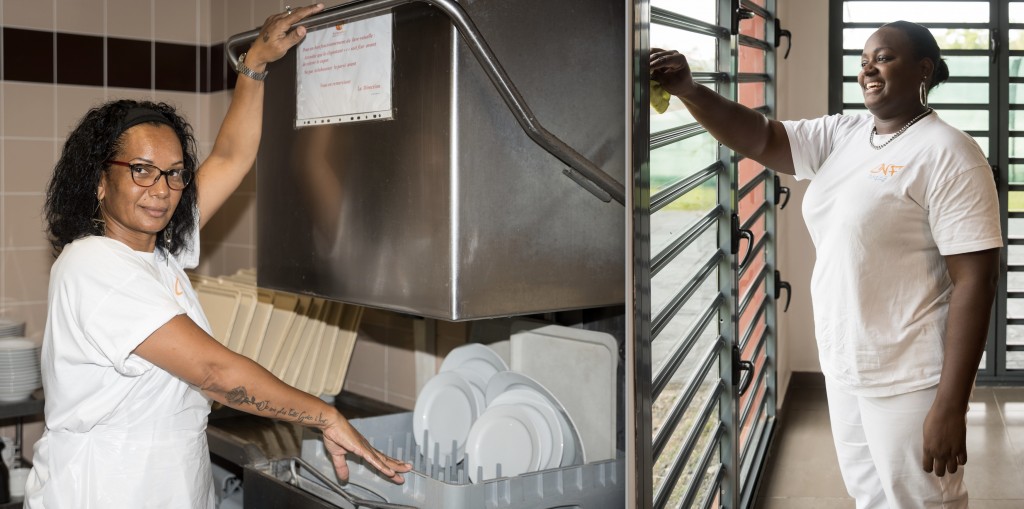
[598,485]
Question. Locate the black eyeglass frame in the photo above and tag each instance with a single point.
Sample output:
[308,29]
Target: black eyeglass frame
[186,175]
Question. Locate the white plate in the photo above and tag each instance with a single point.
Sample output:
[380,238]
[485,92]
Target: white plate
[11,328]
[476,357]
[552,421]
[586,386]
[479,390]
[25,365]
[8,377]
[511,380]
[476,379]
[20,355]
[445,411]
[11,397]
[11,345]
[505,435]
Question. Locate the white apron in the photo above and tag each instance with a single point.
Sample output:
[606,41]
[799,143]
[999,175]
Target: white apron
[120,432]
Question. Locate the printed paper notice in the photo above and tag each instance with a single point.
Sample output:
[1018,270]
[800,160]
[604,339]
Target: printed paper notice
[344,73]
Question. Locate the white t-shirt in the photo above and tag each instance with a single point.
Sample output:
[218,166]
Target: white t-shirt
[120,432]
[881,222]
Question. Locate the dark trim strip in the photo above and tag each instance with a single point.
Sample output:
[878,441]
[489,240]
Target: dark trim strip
[39,56]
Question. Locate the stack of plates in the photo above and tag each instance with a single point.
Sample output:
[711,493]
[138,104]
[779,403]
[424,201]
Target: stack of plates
[501,423]
[19,369]
[451,401]
[10,328]
[524,429]
[305,341]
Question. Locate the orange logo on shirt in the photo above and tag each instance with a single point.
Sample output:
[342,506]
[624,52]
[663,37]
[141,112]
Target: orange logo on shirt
[883,171]
[177,287]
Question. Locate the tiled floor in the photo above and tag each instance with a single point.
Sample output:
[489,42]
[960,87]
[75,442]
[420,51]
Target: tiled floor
[803,473]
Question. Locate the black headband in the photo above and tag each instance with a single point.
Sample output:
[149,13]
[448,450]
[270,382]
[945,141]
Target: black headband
[142,115]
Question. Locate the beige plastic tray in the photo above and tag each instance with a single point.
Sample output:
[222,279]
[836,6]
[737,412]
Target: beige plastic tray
[349,328]
[579,367]
[295,364]
[220,305]
[281,318]
[305,341]
[328,341]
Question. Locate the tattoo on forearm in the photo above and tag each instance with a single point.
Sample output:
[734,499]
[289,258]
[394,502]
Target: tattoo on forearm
[240,397]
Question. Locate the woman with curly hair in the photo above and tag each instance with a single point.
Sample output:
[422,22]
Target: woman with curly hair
[128,363]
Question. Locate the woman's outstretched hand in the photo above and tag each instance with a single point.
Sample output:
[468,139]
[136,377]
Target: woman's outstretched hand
[670,69]
[277,36]
[341,438]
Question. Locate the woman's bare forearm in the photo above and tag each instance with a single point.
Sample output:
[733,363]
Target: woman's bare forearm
[249,387]
[740,128]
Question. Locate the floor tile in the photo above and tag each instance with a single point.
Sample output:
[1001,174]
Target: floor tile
[808,503]
[996,504]
[806,398]
[795,473]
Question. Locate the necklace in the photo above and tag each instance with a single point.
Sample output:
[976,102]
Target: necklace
[874,131]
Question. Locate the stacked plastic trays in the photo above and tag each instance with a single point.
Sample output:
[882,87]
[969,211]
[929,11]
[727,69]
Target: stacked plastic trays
[305,341]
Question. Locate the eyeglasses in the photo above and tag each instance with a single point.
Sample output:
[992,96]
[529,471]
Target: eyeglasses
[146,175]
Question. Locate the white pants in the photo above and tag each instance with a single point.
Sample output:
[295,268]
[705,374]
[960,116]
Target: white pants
[879,442]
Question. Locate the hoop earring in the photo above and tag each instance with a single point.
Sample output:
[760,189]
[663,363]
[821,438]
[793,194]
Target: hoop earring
[167,235]
[924,93]
[97,219]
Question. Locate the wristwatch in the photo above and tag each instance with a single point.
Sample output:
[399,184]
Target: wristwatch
[241,68]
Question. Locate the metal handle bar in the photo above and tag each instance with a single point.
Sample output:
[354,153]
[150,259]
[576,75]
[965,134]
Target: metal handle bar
[350,498]
[607,187]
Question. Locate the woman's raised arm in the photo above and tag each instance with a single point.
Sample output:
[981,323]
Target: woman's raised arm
[734,125]
[238,140]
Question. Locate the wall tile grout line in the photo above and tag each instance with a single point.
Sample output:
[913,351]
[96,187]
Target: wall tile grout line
[3,173]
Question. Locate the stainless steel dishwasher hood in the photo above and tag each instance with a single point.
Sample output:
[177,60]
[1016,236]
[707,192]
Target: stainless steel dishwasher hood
[450,210]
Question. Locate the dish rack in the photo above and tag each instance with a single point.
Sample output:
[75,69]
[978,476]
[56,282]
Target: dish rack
[597,485]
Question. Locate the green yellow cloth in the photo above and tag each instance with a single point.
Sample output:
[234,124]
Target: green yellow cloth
[659,97]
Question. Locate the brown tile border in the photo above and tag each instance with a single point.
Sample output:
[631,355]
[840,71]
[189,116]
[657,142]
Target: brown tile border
[79,60]
[129,63]
[38,56]
[28,55]
[176,67]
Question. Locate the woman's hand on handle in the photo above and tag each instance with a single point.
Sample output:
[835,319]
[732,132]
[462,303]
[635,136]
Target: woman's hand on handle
[341,438]
[672,71]
[277,36]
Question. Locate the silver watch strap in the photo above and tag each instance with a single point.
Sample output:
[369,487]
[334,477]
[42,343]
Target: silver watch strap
[241,68]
